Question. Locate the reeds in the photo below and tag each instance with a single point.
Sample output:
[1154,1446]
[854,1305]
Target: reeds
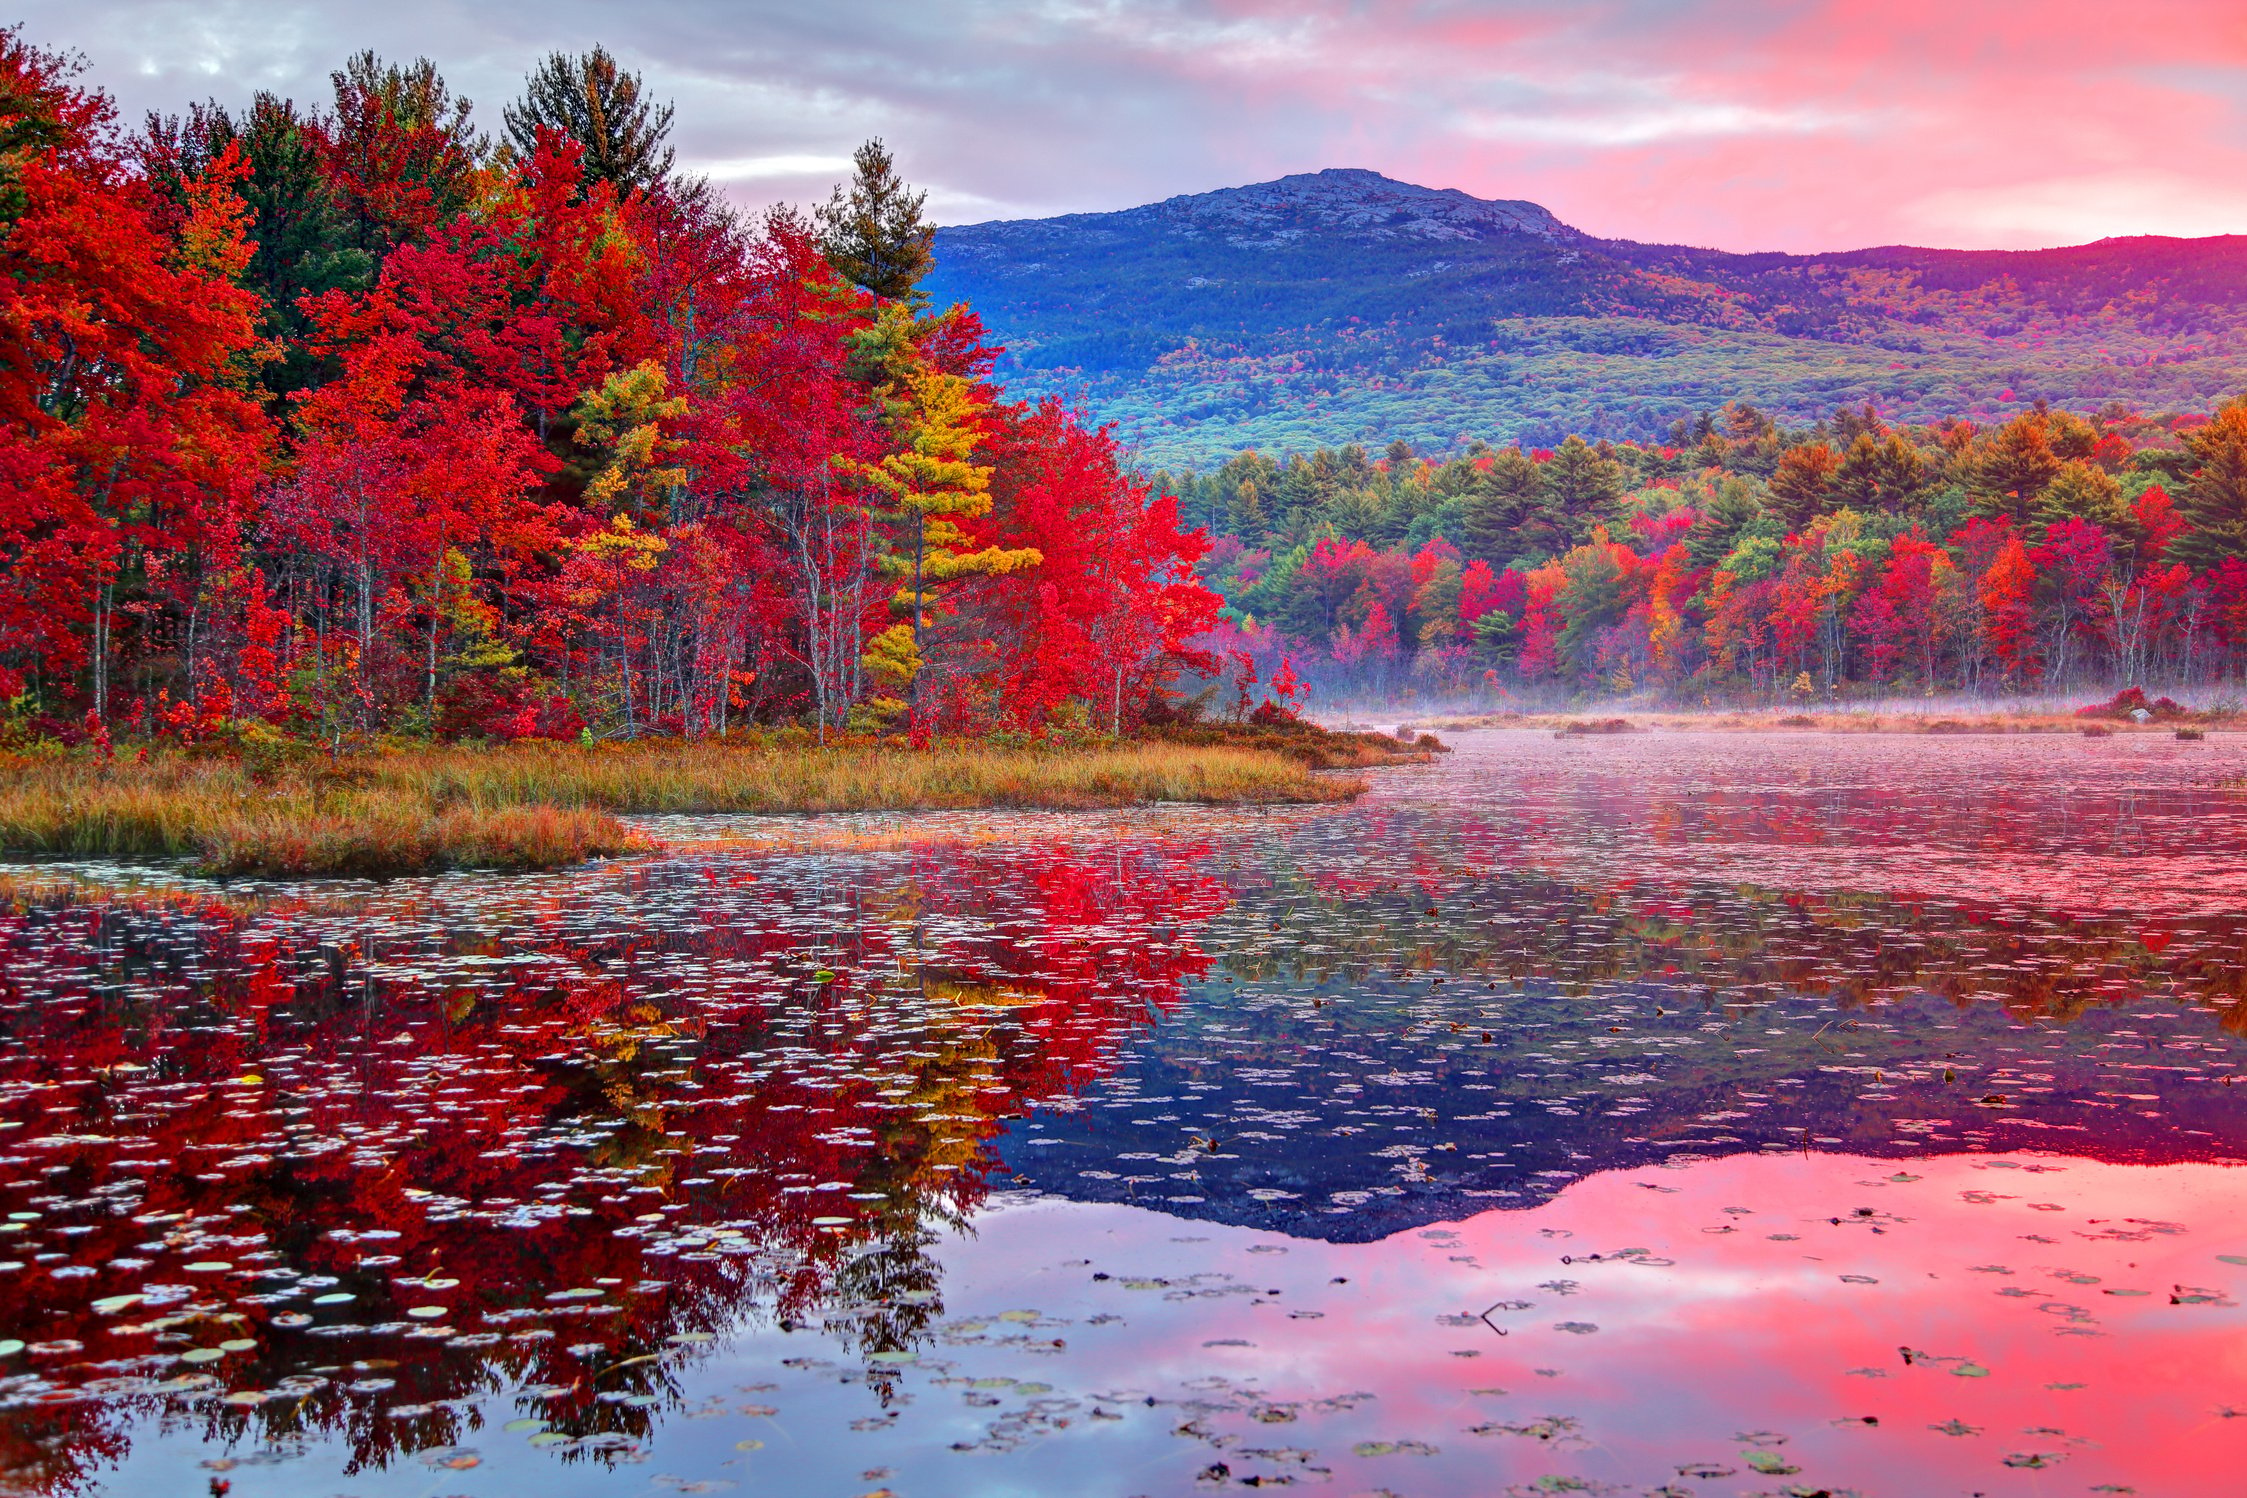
[1307,743]
[540,806]
[292,825]
[725,778]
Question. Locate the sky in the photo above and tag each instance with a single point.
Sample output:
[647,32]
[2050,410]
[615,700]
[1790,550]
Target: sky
[1796,125]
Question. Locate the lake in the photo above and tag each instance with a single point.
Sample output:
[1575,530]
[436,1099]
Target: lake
[1656,1114]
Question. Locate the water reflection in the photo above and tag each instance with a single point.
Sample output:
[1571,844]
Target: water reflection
[353,1168]
[1372,1055]
[514,1180]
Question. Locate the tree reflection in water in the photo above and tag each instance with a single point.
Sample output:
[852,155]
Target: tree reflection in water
[290,1167]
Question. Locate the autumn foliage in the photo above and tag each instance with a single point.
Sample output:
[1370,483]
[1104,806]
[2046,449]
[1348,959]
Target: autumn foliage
[1744,561]
[338,420]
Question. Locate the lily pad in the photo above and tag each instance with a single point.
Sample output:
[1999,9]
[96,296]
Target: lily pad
[2035,1460]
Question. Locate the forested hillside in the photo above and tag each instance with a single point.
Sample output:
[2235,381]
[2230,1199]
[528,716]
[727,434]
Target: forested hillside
[1343,307]
[1740,559]
[342,419]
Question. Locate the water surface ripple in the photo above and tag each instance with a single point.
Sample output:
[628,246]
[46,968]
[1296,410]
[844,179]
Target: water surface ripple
[1660,1114]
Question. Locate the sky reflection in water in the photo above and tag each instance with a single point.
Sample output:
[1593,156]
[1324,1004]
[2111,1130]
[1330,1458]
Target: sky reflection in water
[1670,1114]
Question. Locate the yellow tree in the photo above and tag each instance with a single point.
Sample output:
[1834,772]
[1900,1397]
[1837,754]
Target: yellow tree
[930,484]
[621,421]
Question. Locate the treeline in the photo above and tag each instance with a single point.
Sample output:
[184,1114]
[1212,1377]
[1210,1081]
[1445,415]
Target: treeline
[347,419]
[1742,559]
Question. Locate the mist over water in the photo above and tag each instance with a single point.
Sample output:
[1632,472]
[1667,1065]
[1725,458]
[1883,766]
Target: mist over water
[1666,1113]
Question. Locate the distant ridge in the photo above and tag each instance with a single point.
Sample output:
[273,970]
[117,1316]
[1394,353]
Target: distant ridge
[1342,305]
[1345,201]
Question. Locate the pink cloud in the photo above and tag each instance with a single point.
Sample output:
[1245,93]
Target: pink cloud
[1748,124]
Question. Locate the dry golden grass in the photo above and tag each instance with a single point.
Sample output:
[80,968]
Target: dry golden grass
[1307,743]
[294,825]
[539,806]
[727,778]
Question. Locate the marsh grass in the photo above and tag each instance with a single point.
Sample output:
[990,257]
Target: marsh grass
[1308,744]
[725,778]
[540,806]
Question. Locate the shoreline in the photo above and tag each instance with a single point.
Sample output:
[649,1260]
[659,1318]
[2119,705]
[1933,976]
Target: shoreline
[1595,723]
[522,807]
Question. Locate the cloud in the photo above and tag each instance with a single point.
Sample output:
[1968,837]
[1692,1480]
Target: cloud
[2073,210]
[1749,124]
[755,168]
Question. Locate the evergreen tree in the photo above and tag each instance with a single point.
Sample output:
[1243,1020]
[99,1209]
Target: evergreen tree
[1723,520]
[592,101]
[873,232]
[1496,503]
[2010,475]
[1880,474]
[2082,491]
[2215,497]
[1802,486]
[1581,487]
[300,244]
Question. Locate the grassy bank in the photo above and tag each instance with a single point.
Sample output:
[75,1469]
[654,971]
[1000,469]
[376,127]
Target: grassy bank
[540,806]
[1308,744]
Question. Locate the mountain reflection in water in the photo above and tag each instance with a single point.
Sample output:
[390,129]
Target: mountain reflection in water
[509,1178]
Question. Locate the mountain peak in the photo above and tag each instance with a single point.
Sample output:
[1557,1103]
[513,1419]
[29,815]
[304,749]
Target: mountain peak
[1337,203]
[1356,202]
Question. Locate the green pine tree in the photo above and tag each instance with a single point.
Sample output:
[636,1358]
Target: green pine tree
[873,232]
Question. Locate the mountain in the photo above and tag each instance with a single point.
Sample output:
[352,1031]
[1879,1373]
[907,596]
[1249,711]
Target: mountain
[1342,306]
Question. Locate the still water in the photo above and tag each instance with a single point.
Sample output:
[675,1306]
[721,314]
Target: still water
[1665,1114]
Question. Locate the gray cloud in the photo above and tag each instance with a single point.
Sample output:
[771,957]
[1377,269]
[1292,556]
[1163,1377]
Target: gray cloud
[1748,123]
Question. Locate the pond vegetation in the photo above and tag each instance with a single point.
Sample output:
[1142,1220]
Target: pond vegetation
[537,805]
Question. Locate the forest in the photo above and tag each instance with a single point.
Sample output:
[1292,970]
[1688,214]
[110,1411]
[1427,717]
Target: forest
[1743,561]
[345,421]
